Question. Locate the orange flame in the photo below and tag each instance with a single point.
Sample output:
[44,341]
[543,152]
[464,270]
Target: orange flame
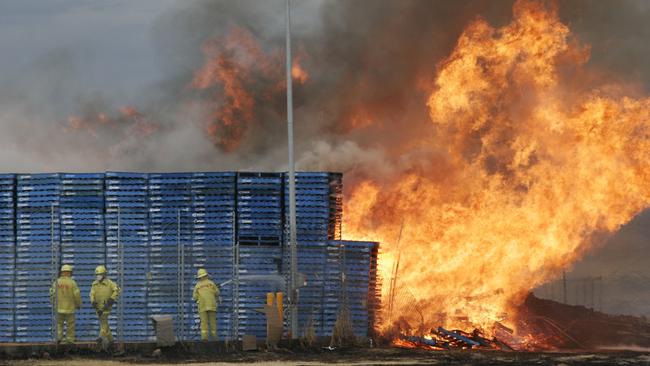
[129,122]
[531,168]
[229,64]
[130,111]
[240,72]
[298,73]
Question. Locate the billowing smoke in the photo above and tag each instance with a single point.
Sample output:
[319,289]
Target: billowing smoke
[355,55]
[370,70]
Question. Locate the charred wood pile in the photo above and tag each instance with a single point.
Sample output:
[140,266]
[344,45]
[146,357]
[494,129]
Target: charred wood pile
[541,325]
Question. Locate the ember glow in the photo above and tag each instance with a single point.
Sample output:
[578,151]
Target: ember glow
[533,166]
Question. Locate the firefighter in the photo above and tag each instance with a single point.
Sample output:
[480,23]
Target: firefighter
[206,295]
[103,294]
[65,296]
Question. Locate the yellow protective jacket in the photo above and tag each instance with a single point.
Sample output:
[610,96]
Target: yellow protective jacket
[68,297]
[103,290]
[206,294]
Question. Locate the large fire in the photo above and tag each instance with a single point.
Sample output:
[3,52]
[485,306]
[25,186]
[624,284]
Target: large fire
[528,160]
[533,166]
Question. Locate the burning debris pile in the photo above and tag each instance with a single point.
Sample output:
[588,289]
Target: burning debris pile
[542,325]
[443,339]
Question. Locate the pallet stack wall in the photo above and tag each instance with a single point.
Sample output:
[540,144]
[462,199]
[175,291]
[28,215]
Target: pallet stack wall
[143,226]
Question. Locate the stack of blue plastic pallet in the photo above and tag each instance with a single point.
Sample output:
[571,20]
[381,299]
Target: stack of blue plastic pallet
[259,233]
[213,232]
[314,217]
[38,232]
[83,220]
[255,263]
[332,289]
[318,217]
[374,291]
[335,224]
[82,239]
[358,269]
[333,267]
[259,208]
[332,292]
[170,248]
[7,256]
[127,225]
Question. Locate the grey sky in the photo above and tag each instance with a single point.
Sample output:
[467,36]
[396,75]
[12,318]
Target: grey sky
[107,43]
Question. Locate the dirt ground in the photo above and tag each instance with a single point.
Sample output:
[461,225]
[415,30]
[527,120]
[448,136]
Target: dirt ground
[376,356]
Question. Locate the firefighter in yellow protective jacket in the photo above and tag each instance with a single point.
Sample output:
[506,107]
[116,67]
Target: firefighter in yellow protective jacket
[206,295]
[103,294]
[65,295]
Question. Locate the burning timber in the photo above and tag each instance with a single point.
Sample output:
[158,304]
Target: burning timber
[443,339]
[542,326]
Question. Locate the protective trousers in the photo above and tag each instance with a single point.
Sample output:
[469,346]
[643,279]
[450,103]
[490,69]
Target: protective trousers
[104,328]
[208,319]
[68,320]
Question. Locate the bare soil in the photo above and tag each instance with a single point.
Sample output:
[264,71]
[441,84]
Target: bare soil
[361,356]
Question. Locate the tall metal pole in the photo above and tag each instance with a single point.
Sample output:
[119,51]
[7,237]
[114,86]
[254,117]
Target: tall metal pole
[293,298]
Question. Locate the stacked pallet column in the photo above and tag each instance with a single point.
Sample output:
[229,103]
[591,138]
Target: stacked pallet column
[335,199]
[127,238]
[213,232]
[153,231]
[260,229]
[82,239]
[374,292]
[7,256]
[37,255]
[332,275]
[358,270]
[312,218]
[318,219]
[332,285]
[170,249]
